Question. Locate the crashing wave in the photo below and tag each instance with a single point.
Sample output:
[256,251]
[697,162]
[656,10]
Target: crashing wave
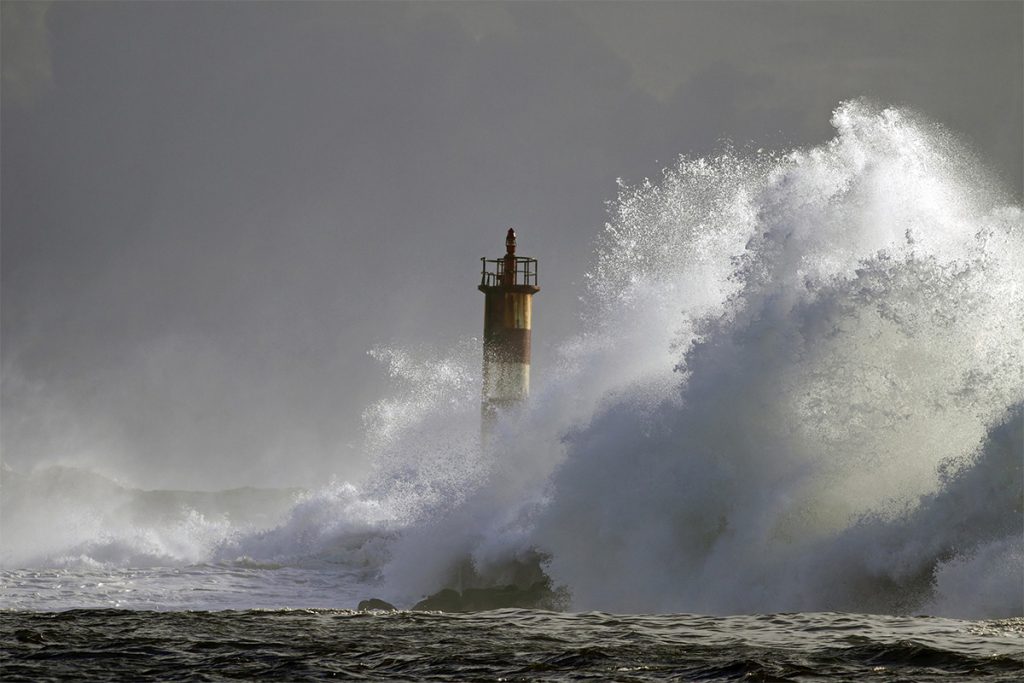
[797,386]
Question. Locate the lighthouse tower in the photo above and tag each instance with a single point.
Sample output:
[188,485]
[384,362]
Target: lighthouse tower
[508,284]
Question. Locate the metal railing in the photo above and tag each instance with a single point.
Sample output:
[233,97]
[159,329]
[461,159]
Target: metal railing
[525,272]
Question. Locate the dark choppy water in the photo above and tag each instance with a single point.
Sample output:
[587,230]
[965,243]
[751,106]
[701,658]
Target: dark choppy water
[502,645]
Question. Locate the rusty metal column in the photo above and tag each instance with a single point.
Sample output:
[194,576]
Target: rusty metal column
[508,306]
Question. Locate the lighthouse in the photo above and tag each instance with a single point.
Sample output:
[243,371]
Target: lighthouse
[508,284]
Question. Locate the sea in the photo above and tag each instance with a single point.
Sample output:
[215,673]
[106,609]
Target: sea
[502,645]
[786,443]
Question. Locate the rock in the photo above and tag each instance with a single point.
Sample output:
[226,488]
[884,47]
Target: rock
[537,596]
[375,604]
[445,600]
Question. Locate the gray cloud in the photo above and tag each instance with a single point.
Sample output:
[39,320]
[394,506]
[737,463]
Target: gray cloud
[214,210]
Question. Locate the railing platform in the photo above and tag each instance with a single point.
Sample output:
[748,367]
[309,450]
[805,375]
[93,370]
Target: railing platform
[493,272]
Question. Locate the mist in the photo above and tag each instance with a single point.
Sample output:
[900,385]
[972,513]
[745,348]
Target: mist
[212,212]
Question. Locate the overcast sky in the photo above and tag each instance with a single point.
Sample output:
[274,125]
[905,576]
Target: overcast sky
[210,211]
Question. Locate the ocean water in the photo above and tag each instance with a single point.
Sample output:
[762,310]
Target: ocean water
[796,394]
[503,645]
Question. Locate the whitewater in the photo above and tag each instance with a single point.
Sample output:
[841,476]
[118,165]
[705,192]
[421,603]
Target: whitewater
[797,386]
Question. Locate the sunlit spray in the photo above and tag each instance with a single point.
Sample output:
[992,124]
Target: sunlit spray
[789,375]
[797,386]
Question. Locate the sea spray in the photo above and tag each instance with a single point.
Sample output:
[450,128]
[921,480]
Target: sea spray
[69,517]
[801,344]
[797,385]
[875,335]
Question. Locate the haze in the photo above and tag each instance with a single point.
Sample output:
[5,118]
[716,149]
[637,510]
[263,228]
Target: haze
[211,211]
